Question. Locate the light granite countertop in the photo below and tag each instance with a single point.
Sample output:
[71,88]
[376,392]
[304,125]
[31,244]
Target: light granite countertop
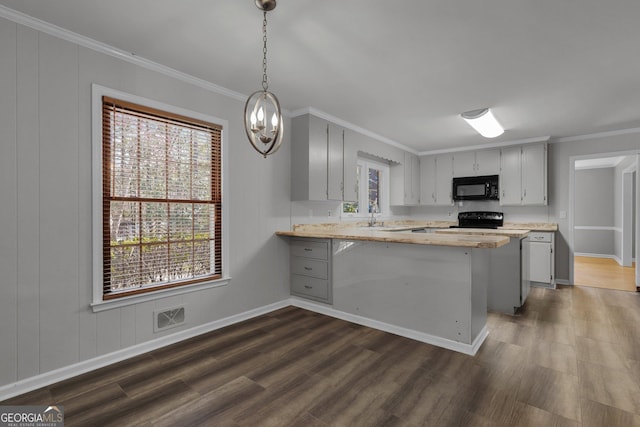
[391,231]
[398,225]
[378,234]
[531,226]
[391,225]
[520,234]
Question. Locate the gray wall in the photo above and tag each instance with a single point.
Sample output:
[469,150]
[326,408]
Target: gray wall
[595,207]
[559,173]
[594,197]
[45,214]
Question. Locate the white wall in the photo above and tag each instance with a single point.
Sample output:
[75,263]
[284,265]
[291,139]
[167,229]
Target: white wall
[45,207]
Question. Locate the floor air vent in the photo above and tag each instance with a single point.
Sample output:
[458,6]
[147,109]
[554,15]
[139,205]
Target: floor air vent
[168,318]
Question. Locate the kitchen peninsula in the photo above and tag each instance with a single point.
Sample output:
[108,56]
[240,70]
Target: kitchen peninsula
[426,286]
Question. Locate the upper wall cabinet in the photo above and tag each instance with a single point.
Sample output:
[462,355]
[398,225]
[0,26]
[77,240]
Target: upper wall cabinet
[534,174]
[335,166]
[321,161]
[488,162]
[476,163]
[350,165]
[436,174]
[405,181]
[523,175]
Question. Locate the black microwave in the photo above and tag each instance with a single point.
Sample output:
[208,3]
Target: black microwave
[476,188]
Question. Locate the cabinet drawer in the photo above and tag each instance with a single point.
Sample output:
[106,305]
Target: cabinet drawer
[310,287]
[310,249]
[537,236]
[310,267]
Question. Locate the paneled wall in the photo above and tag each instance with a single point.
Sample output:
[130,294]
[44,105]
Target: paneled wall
[45,207]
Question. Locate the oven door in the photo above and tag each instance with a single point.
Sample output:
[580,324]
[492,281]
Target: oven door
[478,190]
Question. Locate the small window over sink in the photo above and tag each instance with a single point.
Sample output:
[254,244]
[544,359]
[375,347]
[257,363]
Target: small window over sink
[372,183]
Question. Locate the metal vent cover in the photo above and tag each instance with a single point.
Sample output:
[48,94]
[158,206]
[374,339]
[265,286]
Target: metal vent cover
[168,318]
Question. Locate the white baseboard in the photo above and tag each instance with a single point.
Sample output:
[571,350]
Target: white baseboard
[47,378]
[469,349]
[32,383]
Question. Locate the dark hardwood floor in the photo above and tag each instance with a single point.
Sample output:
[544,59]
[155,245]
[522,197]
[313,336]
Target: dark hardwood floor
[572,358]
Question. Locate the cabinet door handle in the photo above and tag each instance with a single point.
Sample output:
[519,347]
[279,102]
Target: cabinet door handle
[308,249]
[308,268]
[308,287]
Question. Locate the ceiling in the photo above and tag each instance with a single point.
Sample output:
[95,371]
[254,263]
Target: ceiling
[402,70]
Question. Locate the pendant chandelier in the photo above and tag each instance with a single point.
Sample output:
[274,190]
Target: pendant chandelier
[262,114]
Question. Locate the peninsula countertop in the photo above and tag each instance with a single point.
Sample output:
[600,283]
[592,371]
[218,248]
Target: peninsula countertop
[392,235]
[506,232]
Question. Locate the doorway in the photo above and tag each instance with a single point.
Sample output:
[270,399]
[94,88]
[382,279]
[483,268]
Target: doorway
[603,221]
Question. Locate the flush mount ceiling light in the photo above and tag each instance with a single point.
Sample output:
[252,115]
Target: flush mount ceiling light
[483,122]
[262,105]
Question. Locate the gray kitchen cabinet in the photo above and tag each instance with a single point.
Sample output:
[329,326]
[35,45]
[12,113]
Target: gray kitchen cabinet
[476,163]
[350,166]
[541,259]
[318,160]
[335,171]
[487,162]
[534,174]
[415,179]
[523,175]
[436,174]
[444,180]
[510,179]
[464,163]
[428,180]
[405,181]
[310,269]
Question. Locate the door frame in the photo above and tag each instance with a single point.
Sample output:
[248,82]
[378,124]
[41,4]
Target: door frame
[627,214]
[571,213]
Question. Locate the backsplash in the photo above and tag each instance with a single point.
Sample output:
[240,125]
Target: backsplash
[511,213]
[308,212]
[313,212]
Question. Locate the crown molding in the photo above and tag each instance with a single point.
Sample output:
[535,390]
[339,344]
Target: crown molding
[70,36]
[597,135]
[486,146]
[348,125]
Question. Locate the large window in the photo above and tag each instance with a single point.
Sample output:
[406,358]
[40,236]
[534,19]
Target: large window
[161,199]
[372,182]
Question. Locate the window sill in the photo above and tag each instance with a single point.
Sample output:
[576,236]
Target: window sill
[159,294]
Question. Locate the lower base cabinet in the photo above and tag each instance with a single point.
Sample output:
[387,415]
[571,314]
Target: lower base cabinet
[541,259]
[310,268]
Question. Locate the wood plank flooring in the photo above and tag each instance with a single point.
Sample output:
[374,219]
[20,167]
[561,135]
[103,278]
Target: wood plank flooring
[603,273]
[571,358]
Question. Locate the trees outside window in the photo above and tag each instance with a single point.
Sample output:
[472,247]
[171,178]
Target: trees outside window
[373,190]
[161,199]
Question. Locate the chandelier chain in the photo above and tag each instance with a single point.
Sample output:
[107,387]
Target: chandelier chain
[265,83]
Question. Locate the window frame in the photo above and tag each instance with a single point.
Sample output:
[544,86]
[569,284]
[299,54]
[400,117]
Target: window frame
[98,302]
[363,191]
